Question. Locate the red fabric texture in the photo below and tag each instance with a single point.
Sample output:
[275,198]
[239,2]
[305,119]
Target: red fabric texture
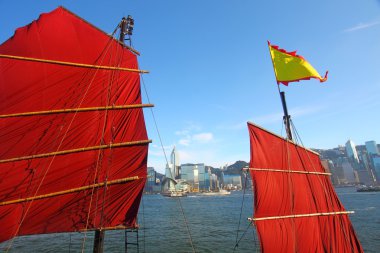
[27,86]
[281,194]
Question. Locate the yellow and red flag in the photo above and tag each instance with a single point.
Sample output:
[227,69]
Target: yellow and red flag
[290,67]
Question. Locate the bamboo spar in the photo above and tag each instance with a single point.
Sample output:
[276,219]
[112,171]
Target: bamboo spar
[83,188]
[75,110]
[120,227]
[73,64]
[292,171]
[64,152]
[300,215]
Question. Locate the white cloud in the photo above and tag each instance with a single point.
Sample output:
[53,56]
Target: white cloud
[184,155]
[184,142]
[156,150]
[203,137]
[302,111]
[276,117]
[361,26]
[182,132]
[269,118]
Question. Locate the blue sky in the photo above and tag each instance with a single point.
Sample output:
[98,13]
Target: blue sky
[210,70]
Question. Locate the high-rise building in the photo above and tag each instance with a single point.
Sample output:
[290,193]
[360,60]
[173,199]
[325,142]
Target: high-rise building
[376,165]
[348,171]
[174,160]
[232,181]
[172,169]
[351,151]
[371,148]
[196,175]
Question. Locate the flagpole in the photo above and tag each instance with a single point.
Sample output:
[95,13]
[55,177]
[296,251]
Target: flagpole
[286,117]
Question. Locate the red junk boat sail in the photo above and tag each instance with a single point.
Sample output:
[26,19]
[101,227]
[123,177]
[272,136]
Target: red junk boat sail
[73,154]
[295,206]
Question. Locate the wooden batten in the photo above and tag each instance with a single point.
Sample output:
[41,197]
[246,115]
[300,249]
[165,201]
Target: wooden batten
[290,171]
[83,188]
[120,227]
[76,110]
[300,215]
[70,151]
[73,64]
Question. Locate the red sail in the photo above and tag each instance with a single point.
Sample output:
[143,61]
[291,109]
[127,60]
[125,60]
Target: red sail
[68,163]
[296,208]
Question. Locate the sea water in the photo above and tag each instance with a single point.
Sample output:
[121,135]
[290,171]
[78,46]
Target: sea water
[210,222]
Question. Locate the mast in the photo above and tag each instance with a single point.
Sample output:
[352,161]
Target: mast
[126,28]
[286,116]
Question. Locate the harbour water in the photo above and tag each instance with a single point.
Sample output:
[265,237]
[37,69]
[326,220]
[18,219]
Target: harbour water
[212,221]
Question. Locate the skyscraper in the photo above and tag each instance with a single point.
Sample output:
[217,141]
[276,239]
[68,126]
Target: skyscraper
[174,160]
[351,151]
[371,148]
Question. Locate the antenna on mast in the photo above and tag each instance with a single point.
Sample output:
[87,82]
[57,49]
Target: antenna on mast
[126,28]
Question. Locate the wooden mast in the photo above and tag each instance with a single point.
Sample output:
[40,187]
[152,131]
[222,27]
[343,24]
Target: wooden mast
[286,116]
[99,233]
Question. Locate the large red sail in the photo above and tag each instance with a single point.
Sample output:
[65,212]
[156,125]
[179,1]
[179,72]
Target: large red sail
[296,208]
[78,169]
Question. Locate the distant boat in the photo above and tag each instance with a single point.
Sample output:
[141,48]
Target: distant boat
[295,206]
[366,188]
[216,193]
[74,145]
[174,194]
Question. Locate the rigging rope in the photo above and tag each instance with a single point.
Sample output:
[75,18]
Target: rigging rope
[163,149]
[241,209]
[237,243]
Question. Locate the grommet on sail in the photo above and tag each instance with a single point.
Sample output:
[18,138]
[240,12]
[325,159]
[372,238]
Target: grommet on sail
[74,146]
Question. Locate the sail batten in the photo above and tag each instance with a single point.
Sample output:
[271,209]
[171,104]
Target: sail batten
[65,152]
[73,64]
[83,188]
[77,110]
[300,215]
[291,171]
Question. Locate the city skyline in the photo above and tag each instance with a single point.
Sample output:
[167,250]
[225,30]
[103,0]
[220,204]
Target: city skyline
[330,148]
[210,69]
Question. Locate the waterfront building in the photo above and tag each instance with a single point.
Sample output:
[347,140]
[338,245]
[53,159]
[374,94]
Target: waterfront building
[232,181]
[204,177]
[351,151]
[196,175]
[174,160]
[348,171]
[214,182]
[190,173]
[169,170]
[329,168]
[153,182]
[376,165]
[371,148]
